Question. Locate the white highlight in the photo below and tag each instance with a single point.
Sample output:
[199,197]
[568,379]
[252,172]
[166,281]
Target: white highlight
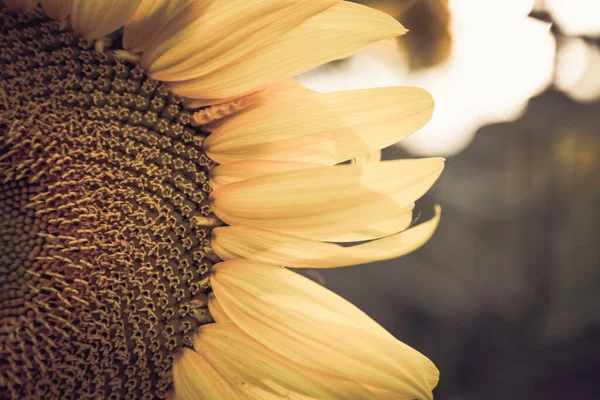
[575,17]
[578,69]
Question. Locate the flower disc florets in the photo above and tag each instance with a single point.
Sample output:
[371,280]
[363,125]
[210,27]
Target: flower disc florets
[103,270]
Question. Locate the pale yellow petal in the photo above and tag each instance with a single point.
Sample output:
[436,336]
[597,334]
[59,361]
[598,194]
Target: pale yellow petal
[372,229]
[153,17]
[326,128]
[242,170]
[171,21]
[216,310]
[94,19]
[257,244]
[275,393]
[56,9]
[226,31]
[323,203]
[369,158]
[242,361]
[381,394]
[328,36]
[194,378]
[306,323]
[21,5]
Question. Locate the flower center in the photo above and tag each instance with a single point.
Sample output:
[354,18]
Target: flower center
[103,202]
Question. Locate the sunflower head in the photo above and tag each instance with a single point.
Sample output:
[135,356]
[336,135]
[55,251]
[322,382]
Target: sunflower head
[115,218]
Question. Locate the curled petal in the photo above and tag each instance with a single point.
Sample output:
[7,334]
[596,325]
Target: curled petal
[328,36]
[323,203]
[95,19]
[392,224]
[325,128]
[311,326]
[257,244]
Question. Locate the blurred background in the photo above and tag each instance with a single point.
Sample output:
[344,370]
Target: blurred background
[504,298]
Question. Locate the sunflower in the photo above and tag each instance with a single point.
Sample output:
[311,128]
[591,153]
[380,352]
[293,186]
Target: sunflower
[159,168]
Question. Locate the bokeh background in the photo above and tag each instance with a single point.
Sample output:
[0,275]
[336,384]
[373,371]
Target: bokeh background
[504,298]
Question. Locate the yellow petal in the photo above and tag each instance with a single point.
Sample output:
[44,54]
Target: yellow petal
[277,92]
[327,36]
[153,17]
[369,158]
[313,327]
[242,170]
[95,19]
[194,378]
[257,244]
[381,394]
[56,9]
[242,361]
[378,229]
[273,393]
[216,310]
[326,128]
[21,5]
[226,31]
[323,203]
[262,96]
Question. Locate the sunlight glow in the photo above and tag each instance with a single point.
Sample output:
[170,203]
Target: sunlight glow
[500,59]
[578,69]
[575,17]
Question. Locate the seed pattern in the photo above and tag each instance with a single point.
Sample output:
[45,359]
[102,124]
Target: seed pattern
[104,258]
